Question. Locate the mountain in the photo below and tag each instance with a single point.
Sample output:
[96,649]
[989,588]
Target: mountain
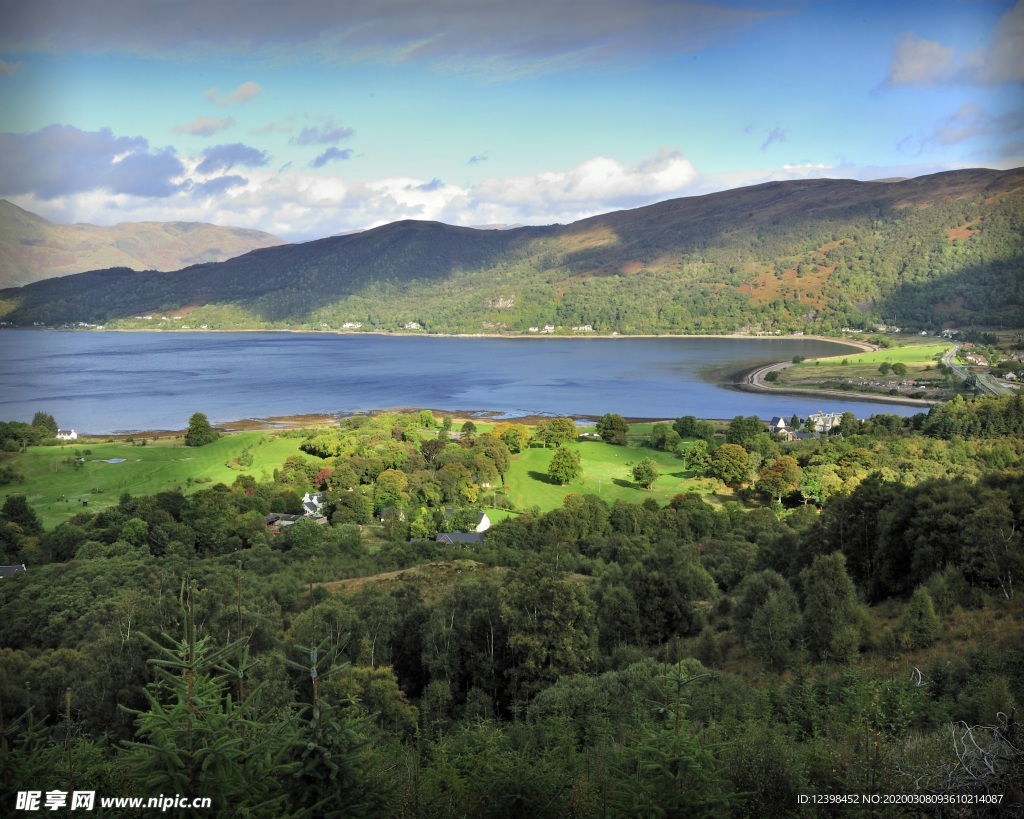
[32,248]
[808,255]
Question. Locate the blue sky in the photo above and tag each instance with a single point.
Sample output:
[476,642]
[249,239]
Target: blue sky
[315,118]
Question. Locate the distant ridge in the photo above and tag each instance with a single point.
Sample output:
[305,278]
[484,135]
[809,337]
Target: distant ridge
[33,248]
[815,255]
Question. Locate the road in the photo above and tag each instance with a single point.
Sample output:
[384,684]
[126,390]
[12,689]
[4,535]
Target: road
[982,382]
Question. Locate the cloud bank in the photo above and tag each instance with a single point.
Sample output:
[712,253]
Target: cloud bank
[69,175]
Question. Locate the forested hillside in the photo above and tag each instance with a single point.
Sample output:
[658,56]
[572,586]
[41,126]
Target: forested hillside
[847,624]
[811,255]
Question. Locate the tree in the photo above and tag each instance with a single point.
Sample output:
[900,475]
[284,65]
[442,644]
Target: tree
[774,628]
[389,490]
[557,431]
[613,428]
[17,510]
[899,368]
[515,436]
[200,433]
[884,368]
[830,609]
[565,466]
[695,456]
[551,625]
[744,431]
[495,450]
[730,464]
[646,473]
[203,733]
[919,622]
[431,448]
[44,421]
[818,483]
[664,437]
[779,477]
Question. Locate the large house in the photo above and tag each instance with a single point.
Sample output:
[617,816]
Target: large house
[825,421]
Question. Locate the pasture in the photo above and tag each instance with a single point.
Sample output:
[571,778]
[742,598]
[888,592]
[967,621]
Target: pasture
[606,473]
[56,487]
[917,356]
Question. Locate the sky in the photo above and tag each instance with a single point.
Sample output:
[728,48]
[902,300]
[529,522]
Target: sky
[320,117]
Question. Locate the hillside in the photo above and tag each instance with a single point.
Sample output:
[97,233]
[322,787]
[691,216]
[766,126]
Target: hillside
[809,255]
[32,248]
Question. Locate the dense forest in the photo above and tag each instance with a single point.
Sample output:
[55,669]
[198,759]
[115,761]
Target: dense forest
[811,256]
[849,624]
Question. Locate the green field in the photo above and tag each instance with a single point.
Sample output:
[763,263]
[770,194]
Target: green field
[606,473]
[56,487]
[163,464]
[916,355]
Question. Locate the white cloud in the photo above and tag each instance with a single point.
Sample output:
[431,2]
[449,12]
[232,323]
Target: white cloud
[298,205]
[918,62]
[921,62]
[246,92]
[10,69]
[205,126]
[593,186]
[1004,61]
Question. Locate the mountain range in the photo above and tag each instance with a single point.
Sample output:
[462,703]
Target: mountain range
[33,248]
[808,255]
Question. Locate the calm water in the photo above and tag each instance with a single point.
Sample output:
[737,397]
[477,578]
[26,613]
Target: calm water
[117,382]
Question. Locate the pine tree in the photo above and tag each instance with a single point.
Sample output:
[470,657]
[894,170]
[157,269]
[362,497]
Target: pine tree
[201,739]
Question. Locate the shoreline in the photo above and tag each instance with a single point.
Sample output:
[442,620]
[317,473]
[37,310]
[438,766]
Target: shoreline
[860,345]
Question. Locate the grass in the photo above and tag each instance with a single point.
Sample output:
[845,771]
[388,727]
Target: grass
[606,473]
[916,356]
[56,488]
[163,464]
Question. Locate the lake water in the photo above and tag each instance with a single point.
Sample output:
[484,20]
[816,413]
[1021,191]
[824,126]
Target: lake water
[100,383]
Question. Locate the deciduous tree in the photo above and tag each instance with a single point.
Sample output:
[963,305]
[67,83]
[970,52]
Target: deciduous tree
[565,466]
[613,428]
[200,433]
[645,473]
[730,464]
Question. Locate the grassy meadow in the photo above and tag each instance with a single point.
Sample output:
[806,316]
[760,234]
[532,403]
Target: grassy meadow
[919,355]
[606,473]
[56,487]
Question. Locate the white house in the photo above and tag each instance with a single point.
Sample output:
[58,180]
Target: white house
[312,503]
[66,435]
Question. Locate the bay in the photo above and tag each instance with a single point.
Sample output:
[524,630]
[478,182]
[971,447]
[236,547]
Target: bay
[108,382]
